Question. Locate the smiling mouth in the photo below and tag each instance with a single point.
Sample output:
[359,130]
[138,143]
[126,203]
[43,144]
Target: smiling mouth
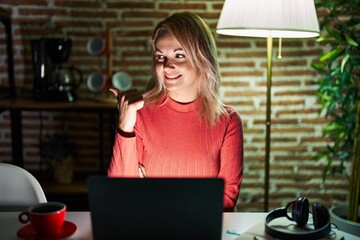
[172,77]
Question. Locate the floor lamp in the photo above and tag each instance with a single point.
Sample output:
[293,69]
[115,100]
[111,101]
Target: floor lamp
[269,19]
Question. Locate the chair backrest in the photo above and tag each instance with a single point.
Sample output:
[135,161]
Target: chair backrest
[18,188]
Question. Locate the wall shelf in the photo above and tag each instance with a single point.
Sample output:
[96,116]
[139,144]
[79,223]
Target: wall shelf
[17,105]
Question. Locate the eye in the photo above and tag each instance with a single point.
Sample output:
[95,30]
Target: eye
[179,55]
[160,58]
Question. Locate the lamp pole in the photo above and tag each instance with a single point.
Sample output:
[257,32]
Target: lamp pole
[269,44]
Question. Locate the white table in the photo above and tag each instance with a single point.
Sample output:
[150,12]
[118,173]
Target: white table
[234,222]
[238,223]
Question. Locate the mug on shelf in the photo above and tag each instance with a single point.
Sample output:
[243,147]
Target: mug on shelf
[96,46]
[96,81]
[121,81]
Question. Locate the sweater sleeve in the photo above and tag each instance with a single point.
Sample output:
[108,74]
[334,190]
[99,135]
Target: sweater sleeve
[127,153]
[124,161]
[231,161]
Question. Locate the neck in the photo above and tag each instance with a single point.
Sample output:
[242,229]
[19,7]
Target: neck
[183,99]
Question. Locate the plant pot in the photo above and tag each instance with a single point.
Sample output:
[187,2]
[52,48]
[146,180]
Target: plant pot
[338,217]
[63,171]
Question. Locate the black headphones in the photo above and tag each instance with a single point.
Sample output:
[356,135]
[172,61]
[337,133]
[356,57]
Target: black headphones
[300,214]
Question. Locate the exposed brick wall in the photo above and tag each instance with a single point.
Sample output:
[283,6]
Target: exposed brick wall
[296,133]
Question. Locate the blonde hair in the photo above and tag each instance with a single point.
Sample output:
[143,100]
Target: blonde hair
[196,38]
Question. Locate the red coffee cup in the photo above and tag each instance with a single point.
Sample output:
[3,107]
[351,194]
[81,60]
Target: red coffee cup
[45,218]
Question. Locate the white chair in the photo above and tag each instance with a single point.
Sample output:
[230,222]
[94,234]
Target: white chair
[18,188]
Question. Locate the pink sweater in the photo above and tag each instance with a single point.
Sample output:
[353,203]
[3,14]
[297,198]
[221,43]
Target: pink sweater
[171,141]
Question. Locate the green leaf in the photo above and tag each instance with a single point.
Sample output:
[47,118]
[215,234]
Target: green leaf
[356,26]
[323,38]
[344,77]
[333,126]
[320,156]
[350,41]
[344,61]
[327,168]
[335,72]
[318,67]
[335,33]
[344,155]
[332,54]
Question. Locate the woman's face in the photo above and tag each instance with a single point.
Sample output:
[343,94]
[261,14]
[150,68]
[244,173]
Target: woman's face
[173,68]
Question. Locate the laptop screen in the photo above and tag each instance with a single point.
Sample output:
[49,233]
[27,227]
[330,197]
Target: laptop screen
[156,208]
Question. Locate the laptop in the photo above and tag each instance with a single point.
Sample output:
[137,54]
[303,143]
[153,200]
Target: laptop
[156,208]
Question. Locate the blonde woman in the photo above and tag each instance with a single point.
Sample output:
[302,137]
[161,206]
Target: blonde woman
[180,128]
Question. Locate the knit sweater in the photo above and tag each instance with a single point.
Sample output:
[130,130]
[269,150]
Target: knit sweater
[171,141]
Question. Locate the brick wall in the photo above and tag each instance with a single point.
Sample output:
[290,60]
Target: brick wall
[296,133]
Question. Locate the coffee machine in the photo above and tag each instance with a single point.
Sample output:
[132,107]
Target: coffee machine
[52,80]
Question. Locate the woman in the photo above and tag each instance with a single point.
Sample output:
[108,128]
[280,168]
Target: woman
[180,128]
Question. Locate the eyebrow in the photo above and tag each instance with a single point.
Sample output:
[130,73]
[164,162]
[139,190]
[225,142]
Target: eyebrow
[177,49]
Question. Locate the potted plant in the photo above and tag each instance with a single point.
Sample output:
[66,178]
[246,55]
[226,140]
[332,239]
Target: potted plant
[339,94]
[59,152]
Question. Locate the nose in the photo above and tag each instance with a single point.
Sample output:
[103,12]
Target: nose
[168,63]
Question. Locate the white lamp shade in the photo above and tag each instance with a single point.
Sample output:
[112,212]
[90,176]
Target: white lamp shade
[264,18]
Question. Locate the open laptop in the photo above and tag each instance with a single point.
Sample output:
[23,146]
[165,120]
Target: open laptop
[156,208]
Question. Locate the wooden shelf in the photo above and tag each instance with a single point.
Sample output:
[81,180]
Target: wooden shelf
[85,105]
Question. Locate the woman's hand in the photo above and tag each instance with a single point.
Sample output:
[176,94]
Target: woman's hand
[128,103]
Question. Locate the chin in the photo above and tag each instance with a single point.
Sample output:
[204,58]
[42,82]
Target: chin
[171,87]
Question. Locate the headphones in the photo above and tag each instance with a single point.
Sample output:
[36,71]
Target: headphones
[300,214]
